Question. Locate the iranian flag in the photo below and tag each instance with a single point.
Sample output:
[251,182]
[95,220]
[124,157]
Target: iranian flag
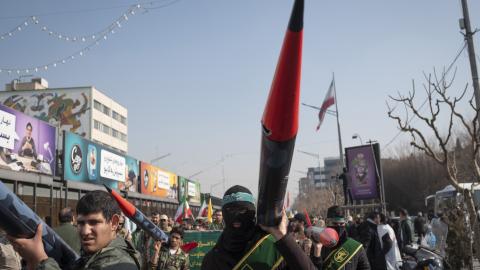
[203,209]
[327,102]
[183,211]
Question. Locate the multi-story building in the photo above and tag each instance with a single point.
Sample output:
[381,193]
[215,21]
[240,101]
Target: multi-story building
[83,110]
[332,168]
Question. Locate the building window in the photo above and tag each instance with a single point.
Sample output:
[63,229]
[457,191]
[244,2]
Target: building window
[123,119]
[106,110]
[123,137]
[106,129]
[114,133]
[97,105]
[115,115]
[96,125]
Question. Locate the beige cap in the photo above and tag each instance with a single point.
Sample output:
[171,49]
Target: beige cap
[163,217]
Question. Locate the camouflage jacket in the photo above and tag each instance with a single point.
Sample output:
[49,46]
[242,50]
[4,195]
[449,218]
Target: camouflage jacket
[118,255]
[167,261]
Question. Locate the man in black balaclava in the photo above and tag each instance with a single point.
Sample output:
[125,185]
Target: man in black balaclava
[240,236]
[347,252]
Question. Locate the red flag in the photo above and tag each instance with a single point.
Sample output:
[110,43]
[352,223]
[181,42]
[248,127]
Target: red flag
[203,209]
[327,102]
[309,223]
[189,247]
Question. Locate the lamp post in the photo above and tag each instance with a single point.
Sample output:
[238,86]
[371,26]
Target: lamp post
[357,136]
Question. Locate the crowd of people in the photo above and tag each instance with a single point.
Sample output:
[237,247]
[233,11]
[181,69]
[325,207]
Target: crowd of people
[105,239]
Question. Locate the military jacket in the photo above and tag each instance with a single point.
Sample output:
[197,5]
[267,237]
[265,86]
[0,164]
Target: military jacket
[118,255]
[167,261]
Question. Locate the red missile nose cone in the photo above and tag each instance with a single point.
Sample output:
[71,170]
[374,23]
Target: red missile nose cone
[280,118]
[127,208]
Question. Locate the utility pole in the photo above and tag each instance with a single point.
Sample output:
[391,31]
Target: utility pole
[465,24]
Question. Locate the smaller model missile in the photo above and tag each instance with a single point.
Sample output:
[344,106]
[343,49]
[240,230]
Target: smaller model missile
[135,215]
[19,221]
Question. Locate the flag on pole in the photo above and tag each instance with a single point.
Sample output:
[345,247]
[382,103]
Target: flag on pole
[210,211]
[327,102]
[183,211]
[203,209]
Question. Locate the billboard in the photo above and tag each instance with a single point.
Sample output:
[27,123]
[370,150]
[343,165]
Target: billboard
[189,188]
[26,143]
[157,182]
[363,172]
[89,162]
[206,241]
[66,109]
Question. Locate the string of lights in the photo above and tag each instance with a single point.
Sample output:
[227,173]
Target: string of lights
[93,39]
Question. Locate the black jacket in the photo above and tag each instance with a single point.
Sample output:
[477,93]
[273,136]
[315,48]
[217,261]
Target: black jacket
[294,258]
[358,262]
[368,235]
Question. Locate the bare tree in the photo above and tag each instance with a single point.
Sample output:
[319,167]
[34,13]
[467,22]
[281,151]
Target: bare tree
[440,149]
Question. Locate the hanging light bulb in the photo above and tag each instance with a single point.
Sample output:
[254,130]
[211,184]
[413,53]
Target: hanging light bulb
[74,39]
[93,36]
[19,28]
[125,17]
[60,36]
[63,61]
[27,71]
[83,39]
[81,53]
[10,33]
[105,37]
[44,28]
[36,69]
[9,72]
[25,23]
[1,71]
[50,33]
[45,67]
[72,57]
[2,37]
[18,71]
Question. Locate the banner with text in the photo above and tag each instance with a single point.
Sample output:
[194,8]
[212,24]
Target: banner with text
[157,182]
[363,173]
[189,188]
[26,143]
[86,161]
[206,240]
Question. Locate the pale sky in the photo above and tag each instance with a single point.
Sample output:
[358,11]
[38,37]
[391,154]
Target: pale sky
[195,75]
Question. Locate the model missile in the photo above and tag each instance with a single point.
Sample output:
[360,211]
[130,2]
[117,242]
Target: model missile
[138,217]
[19,221]
[280,123]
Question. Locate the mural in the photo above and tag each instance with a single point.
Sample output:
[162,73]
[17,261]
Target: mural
[66,109]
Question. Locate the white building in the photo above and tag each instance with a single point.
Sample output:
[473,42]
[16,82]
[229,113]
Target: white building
[83,110]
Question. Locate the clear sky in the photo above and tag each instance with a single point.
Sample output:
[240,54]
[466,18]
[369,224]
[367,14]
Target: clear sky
[195,75]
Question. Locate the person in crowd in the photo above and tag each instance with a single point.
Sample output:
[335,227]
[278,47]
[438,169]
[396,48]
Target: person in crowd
[236,246]
[169,256]
[405,230]
[98,215]
[352,228]
[347,253]
[393,257]
[419,226]
[217,221]
[122,231]
[144,243]
[187,224]
[66,230]
[27,145]
[298,224]
[430,216]
[430,240]
[9,259]
[440,230]
[368,236]
[347,194]
[164,223]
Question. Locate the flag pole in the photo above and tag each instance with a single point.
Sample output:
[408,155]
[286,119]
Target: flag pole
[342,163]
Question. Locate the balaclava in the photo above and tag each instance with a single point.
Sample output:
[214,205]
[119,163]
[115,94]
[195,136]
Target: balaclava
[238,205]
[335,215]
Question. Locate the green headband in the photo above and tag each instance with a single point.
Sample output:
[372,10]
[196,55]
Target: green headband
[238,197]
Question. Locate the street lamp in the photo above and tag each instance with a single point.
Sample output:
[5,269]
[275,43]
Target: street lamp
[357,136]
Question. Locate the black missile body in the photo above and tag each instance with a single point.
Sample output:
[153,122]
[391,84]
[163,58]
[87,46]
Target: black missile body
[280,123]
